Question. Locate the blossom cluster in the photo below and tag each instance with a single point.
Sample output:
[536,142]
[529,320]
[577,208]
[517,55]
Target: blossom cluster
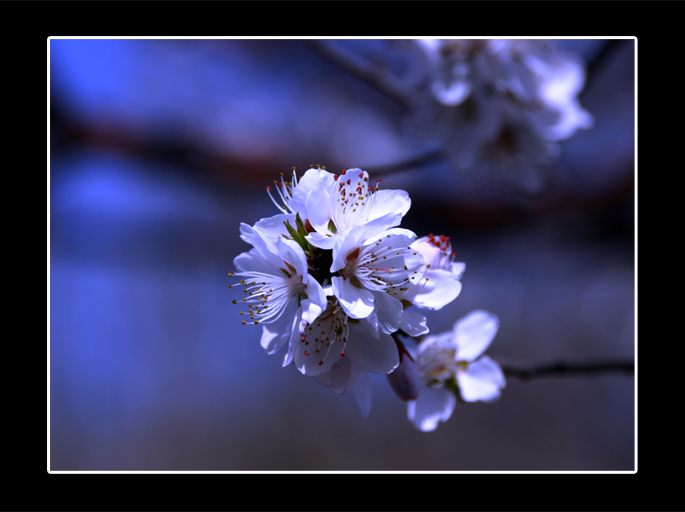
[333,277]
[504,104]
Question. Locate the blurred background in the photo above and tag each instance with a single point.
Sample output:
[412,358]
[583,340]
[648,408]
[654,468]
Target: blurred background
[159,149]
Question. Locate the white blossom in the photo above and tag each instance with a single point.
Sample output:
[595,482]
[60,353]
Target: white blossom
[440,283]
[334,204]
[279,290]
[452,362]
[502,105]
[332,277]
[373,272]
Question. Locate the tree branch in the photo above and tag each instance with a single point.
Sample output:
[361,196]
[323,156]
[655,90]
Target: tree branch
[384,82]
[568,369]
[415,162]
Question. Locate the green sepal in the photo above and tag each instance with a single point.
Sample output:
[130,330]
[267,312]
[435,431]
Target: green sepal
[298,237]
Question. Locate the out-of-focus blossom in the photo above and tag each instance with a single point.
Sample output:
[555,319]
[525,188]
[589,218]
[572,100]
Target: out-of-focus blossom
[333,277]
[502,105]
[452,362]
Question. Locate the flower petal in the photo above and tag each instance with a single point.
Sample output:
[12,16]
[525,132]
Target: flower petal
[319,210]
[321,241]
[432,406]
[390,201]
[473,334]
[290,251]
[311,363]
[381,224]
[388,311]
[253,261]
[272,229]
[254,238]
[312,180]
[437,289]
[276,333]
[356,302]
[457,269]
[482,381]
[340,377]
[344,245]
[413,323]
[315,302]
[370,354]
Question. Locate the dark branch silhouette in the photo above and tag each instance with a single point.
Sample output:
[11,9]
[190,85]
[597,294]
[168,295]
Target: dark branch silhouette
[367,72]
[570,369]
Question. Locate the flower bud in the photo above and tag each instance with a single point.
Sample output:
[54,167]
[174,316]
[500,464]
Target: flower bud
[404,381]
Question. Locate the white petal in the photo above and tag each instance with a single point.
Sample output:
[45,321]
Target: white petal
[371,324]
[272,229]
[310,363]
[253,237]
[482,381]
[437,289]
[432,406]
[363,390]
[290,251]
[370,354]
[388,311]
[390,201]
[381,224]
[344,245]
[313,179]
[356,302]
[315,302]
[319,210]
[340,377]
[457,269]
[473,334]
[441,341]
[276,333]
[294,338]
[253,261]
[413,323]
[408,233]
[321,241]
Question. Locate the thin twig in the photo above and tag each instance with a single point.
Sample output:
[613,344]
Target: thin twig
[415,162]
[568,369]
[384,82]
[601,59]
